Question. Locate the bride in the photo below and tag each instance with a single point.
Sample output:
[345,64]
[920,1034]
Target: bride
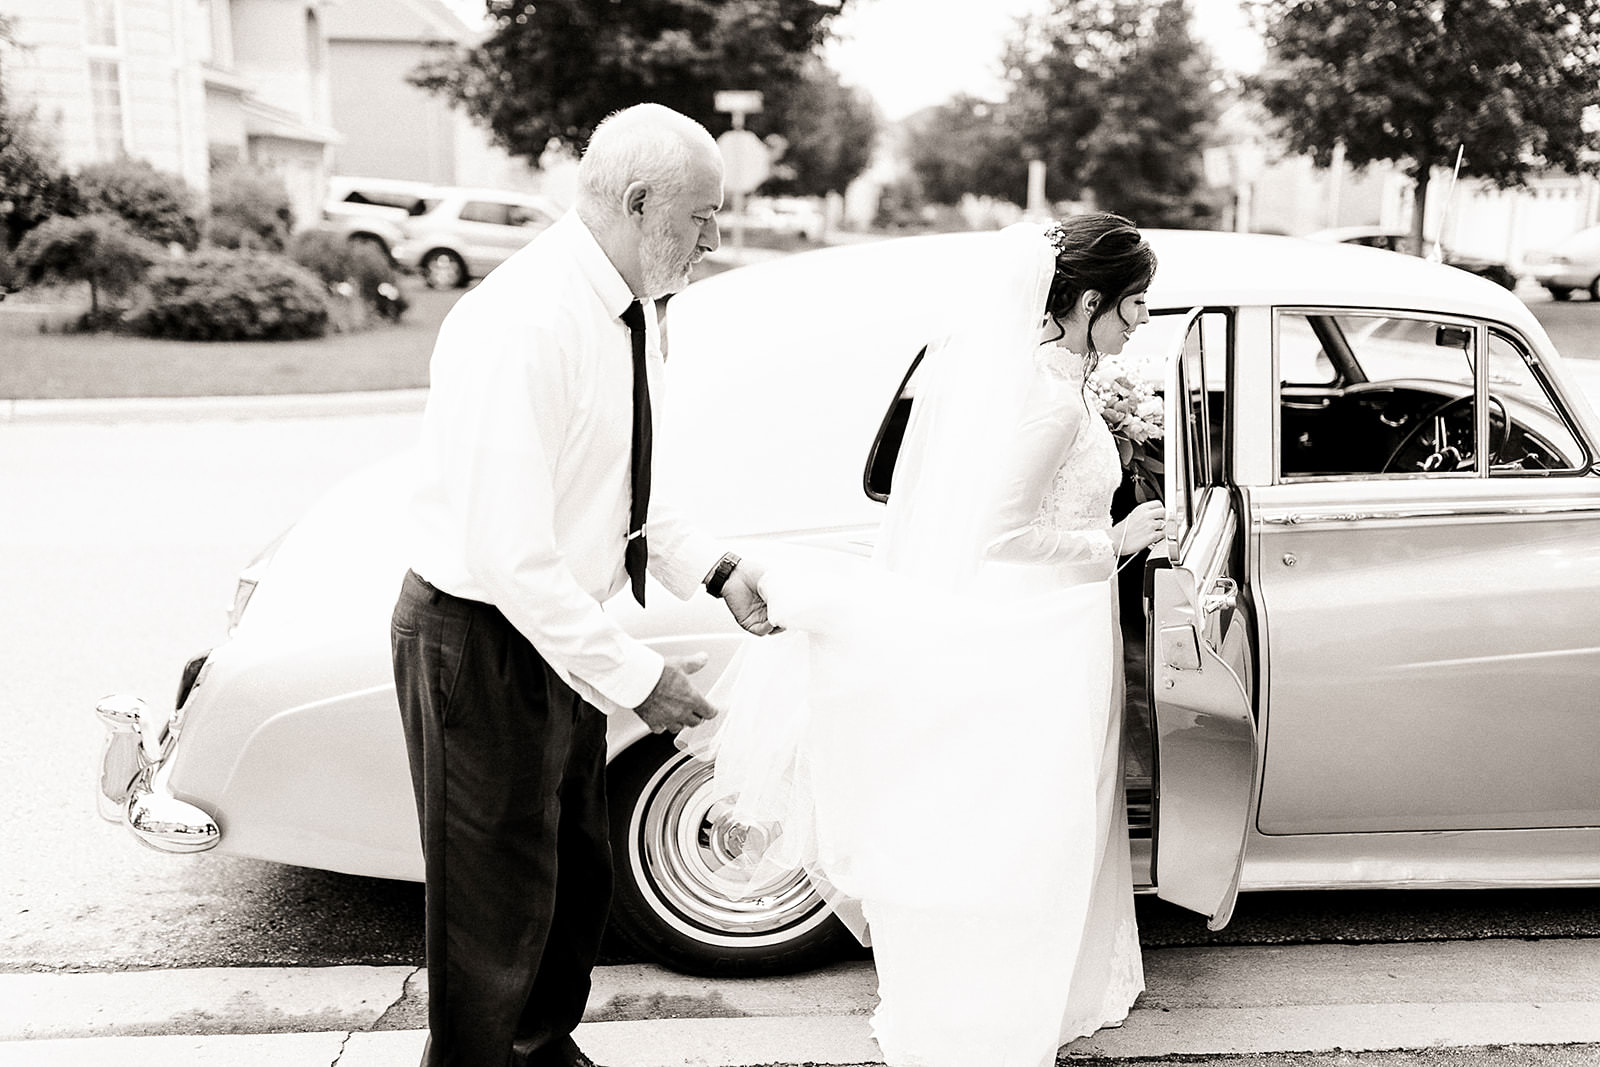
[936,736]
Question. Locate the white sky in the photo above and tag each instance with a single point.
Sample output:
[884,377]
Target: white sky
[910,54]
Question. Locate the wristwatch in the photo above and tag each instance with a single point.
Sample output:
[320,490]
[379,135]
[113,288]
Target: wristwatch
[719,574]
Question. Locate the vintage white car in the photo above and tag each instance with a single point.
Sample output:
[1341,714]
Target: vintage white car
[1372,651]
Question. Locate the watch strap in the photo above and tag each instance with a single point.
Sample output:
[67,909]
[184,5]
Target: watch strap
[720,574]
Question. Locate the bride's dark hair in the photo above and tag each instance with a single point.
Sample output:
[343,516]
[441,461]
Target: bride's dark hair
[1098,251]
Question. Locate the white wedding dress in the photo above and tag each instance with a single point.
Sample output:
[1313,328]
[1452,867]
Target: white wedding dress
[945,757]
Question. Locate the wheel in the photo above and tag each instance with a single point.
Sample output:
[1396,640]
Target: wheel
[672,905]
[1559,292]
[1594,288]
[443,269]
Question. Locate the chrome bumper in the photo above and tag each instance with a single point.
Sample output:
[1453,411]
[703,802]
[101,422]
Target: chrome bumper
[138,741]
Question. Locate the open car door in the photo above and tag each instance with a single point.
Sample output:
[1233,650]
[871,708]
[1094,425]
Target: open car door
[1201,641]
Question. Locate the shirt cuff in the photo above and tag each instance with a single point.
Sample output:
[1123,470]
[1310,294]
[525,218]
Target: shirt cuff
[627,687]
[684,571]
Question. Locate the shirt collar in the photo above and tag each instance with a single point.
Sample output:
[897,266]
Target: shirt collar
[596,266]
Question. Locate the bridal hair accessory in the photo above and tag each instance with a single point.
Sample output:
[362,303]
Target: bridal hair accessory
[1056,234]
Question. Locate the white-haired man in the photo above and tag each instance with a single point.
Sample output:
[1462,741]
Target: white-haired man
[528,513]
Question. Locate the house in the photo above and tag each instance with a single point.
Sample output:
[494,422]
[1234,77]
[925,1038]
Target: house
[389,127]
[186,85]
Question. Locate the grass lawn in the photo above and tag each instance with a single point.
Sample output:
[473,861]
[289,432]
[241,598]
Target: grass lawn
[56,366]
[66,366]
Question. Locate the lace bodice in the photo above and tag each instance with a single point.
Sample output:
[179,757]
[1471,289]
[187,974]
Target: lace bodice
[1055,505]
[1079,497]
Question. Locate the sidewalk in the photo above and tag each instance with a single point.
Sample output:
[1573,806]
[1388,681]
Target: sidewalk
[1200,1002]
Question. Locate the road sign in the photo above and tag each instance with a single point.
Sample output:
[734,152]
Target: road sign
[738,101]
[746,161]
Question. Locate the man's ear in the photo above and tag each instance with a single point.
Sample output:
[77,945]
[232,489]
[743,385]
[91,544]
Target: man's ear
[633,198]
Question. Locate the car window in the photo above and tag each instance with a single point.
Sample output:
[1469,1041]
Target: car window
[1386,396]
[522,215]
[1199,432]
[1302,361]
[489,211]
[1541,438]
[410,203]
[885,450]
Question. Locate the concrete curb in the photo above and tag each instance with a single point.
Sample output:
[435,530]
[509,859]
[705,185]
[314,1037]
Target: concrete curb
[1247,1000]
[192,408]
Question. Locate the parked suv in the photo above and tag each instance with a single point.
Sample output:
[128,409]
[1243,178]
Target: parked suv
[374,210]
[466,233]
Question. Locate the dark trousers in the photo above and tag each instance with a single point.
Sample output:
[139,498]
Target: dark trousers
[509,770]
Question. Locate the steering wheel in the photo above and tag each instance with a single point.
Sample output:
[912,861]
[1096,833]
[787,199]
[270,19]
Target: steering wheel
[1442,455]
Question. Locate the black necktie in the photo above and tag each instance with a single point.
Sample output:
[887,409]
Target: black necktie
[636,552]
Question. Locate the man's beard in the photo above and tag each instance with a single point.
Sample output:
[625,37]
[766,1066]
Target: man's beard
[666,268]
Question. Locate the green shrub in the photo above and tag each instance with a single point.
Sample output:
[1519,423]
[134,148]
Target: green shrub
[353,271]
[227,295]
[249,209]
[99,249]
[157,205]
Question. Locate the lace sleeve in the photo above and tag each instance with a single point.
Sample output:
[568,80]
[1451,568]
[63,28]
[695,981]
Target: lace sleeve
[1051,423]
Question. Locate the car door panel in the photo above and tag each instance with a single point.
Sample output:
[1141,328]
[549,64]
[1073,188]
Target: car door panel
[1434,648]
[1201,671]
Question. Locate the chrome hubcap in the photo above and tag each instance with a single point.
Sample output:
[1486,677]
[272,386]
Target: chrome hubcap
[701,866]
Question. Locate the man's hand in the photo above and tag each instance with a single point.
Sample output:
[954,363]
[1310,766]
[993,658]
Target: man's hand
[675,703]
[745,603]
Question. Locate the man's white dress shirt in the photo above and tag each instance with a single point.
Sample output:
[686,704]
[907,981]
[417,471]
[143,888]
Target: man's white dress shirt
[522,499]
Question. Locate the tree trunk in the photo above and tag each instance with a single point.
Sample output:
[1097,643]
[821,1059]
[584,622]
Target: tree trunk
[1420,208]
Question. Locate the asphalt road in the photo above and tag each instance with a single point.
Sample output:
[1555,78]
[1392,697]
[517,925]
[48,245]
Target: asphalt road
[1574,325]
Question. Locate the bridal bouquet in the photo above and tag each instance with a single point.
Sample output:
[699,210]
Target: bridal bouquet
[1135,414]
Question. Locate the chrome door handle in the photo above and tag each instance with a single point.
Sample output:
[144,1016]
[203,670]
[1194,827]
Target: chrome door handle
[1224,594]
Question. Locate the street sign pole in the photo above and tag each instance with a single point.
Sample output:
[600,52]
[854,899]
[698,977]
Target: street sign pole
[746,162]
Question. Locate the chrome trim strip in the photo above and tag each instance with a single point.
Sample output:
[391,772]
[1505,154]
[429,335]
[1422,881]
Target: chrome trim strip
[1303,518]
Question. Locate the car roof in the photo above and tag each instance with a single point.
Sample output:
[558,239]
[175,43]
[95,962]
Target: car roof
[1202,267]
[1196,268]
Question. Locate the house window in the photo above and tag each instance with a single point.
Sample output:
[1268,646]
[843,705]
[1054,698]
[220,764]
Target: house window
[100,23]
[105,93]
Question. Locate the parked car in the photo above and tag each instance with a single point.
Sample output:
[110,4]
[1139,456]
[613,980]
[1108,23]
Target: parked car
[466,233]
[1572,264]
[374,210]
[1399,241]
[1371,627]
[788,214]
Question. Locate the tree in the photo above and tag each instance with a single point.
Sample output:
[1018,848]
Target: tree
[550,71]
[249,209]
[830,132]
[1116,97]
[1143,158]
[32,185]
[966,146]
[157,205]
[1411,81]
[100,249]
